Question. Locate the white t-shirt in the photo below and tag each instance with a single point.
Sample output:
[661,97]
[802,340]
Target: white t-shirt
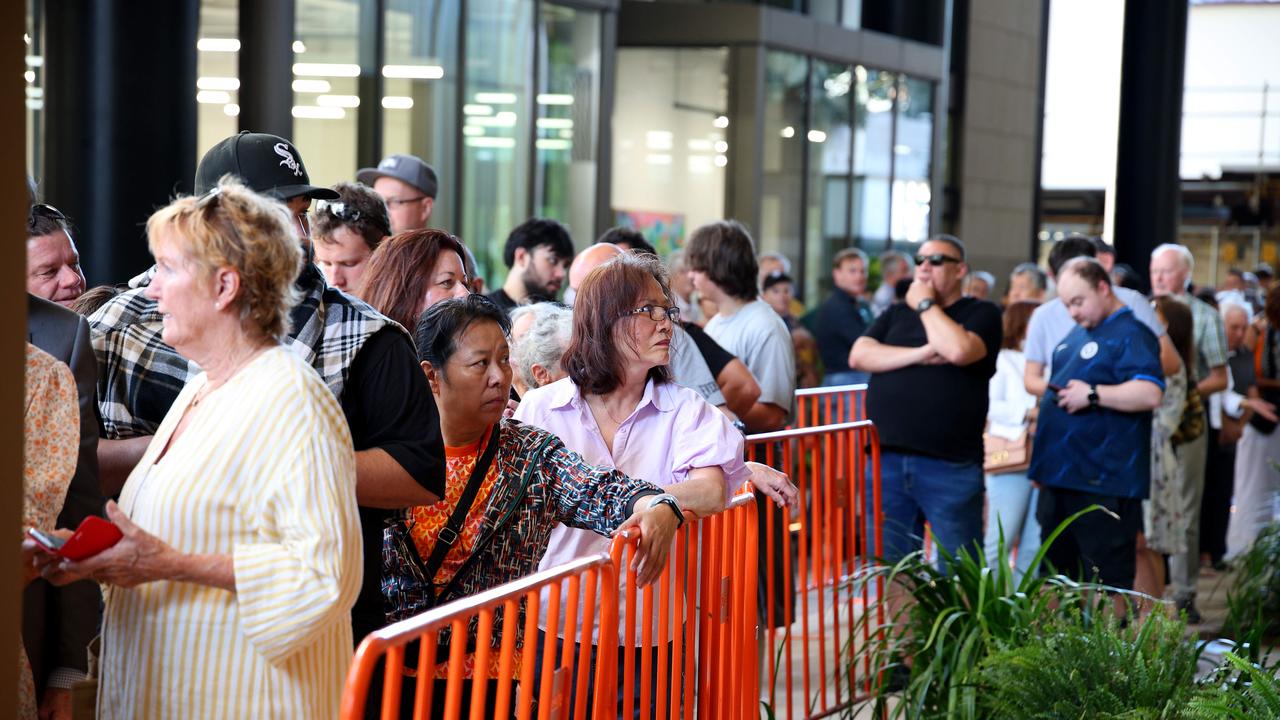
[758,336]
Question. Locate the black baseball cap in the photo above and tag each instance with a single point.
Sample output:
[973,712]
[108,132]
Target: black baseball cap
[268,164]
[408,169]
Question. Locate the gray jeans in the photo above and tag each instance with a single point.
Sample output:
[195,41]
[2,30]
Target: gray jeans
[1184,568]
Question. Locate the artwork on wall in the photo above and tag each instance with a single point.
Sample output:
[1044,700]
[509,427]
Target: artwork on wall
[665,231]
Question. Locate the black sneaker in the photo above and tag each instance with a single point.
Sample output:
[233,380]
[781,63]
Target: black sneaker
[1188,607]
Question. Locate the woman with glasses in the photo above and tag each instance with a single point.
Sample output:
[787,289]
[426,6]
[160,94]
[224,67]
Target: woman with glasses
[618,407]
[346,231]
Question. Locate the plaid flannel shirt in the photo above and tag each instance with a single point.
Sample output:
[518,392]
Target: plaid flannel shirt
[139,376]
[1210,337]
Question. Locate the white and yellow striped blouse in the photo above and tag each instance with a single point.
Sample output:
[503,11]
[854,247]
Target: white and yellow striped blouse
[265,472]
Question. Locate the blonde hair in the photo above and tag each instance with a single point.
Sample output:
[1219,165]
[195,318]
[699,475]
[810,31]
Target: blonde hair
[234,227]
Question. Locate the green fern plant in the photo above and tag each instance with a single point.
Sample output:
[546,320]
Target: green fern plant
[1239,690]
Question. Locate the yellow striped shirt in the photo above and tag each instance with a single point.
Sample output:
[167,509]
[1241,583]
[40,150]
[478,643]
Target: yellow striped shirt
[265,472]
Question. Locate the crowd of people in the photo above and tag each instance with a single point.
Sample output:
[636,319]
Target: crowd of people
[308,420]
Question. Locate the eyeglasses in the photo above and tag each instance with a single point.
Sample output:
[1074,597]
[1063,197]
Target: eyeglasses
[403,201]
[658,313]
[348,214]
[45,211]
[936,259]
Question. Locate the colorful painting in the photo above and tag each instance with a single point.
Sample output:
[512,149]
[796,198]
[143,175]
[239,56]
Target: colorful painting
[665,231]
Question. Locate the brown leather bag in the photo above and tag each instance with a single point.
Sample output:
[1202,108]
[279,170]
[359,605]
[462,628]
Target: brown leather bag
[1005,456]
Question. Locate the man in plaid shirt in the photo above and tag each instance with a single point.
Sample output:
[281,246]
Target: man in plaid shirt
[367,360]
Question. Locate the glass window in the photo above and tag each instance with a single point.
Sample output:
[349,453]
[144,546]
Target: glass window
[325,97]
[669,144]
[782,156]
[33,72]
[912,151]
[420,91]
[872,152]
[218,74]
[495,136]
[830,142]
[568,117]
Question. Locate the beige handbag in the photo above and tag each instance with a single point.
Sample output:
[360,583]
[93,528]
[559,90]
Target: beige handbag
[1001,455]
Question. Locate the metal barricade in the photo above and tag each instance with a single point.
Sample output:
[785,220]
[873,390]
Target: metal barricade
[830,405]
[703,610]
[812,561]
[557,688]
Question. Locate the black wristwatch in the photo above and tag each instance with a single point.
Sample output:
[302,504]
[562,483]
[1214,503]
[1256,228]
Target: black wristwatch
[670,501]
[925,304]
[1093,396]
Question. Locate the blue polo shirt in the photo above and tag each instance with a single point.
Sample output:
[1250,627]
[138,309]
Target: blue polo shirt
[1099,450]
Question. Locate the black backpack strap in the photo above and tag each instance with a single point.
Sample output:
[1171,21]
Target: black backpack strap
[453,528]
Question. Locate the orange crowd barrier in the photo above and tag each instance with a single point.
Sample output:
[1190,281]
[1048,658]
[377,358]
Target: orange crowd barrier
[813,561]
[556,688]
[830,405]
[693,632]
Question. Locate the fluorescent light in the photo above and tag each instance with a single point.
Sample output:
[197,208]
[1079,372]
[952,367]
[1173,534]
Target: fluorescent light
[218,45]
[721,121]
[496,98]
[502,119]
[35,104]
[901,149]
[721,147]
[470,109]
[231,109]
[472,130]
[326,69]
[35,92]
[700,145]
[554,99]
[553,144]
[566,134]
[397,102]
[218,83]
[555,123]
[657,159]
[413,72]
[657,140]
[213,97]
[35,60]
[299,47]
[312,86]
[721,161]
[314,112]
[30,76]
[342,101]
[788,132]
[491,142]
[817,136]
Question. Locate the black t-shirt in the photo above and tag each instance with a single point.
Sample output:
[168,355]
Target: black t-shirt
[502,300]
[389,406]
[935,410]
[715,356]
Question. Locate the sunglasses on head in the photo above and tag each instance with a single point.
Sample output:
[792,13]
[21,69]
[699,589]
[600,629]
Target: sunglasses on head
[936,259]
[42,210]
[348,214]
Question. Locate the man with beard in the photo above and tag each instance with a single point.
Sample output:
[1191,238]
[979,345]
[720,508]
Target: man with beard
[537,255]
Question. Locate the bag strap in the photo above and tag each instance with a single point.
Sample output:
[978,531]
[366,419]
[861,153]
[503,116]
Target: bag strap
[453,528]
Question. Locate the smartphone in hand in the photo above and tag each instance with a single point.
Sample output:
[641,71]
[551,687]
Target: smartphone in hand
[92,537]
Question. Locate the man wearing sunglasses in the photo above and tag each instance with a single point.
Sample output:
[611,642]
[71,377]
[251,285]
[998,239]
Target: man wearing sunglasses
[931,359]
[346,231]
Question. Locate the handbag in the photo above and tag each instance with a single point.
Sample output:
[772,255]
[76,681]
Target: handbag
[1191,425]
[1001,455]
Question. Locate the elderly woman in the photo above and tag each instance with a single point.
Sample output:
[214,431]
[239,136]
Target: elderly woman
[231,590]
[412,271]
[618,407]
[514,481]
[540,334]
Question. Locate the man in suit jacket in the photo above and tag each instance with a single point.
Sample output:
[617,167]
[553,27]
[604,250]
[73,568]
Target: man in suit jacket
[58,623]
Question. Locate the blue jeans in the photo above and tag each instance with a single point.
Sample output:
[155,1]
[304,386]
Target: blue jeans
[917,488]
[1011,507]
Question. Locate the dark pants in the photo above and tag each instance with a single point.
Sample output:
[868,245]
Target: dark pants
[776,585]
[1215,507]
[1097,546]
[621,668]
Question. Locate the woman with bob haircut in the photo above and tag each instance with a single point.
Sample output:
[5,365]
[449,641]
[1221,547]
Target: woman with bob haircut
[230,593]
[412,271]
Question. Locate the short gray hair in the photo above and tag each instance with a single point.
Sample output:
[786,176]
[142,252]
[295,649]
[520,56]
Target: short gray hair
[892,258]
[1038,276]
[545,341]
[985,277]
[1226,305]
[1188,260]
[786,261]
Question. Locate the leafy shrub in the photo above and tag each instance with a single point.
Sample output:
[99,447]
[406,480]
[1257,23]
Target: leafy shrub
[1079,667]
[1238,690]
[1253,602]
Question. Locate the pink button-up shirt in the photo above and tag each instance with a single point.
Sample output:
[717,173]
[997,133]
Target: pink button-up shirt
[671,431]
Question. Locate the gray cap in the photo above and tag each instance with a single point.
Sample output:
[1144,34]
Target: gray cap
[405,168]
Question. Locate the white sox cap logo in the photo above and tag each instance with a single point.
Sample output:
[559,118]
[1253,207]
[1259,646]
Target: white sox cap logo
[289,160]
